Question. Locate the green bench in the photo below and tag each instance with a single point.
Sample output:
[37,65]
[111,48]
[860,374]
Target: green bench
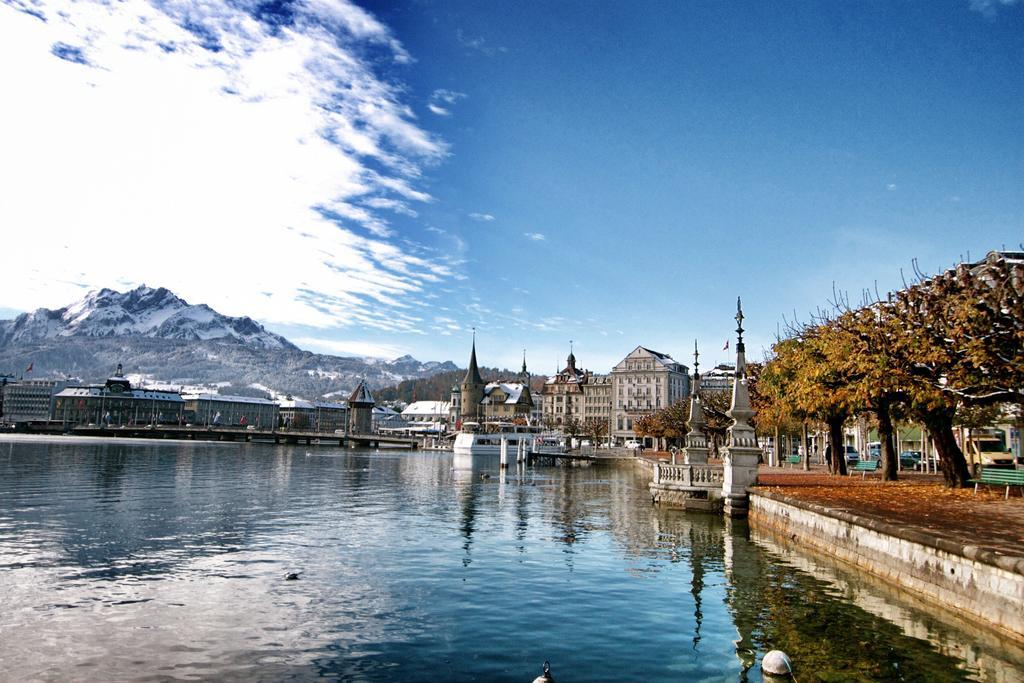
[864,466]
[793,460]
[997,476]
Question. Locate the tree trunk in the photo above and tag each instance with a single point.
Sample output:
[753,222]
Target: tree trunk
[889,456]
[805,447]
[776,450]
[835,439]
[951,458]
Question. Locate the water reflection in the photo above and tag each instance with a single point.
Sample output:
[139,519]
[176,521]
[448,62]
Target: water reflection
[167,560]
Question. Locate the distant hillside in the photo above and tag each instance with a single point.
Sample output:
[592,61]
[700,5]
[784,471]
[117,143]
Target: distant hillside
[156,334]
[438,387]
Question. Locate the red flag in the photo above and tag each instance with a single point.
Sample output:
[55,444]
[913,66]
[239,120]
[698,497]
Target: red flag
[29,368]
[726,345]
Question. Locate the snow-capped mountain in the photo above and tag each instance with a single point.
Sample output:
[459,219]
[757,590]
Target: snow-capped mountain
[144,312]
[155,334]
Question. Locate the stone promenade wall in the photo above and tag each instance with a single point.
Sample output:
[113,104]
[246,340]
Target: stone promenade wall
[975,582]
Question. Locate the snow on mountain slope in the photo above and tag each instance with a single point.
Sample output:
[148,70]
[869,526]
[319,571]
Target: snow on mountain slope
[143,311]
[155,334]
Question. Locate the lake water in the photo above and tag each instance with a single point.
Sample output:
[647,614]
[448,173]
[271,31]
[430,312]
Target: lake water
[156,561]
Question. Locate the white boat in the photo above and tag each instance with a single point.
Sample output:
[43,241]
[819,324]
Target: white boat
[475,441]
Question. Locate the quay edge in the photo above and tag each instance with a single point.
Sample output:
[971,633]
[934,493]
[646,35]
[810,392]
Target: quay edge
[983,586]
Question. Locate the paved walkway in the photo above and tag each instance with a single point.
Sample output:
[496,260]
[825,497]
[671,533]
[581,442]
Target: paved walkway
[917,501]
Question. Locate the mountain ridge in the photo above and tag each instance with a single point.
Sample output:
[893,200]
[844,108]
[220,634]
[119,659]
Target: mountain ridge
[155,333]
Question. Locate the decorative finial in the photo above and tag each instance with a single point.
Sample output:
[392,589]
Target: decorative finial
[739,320]
[696,355]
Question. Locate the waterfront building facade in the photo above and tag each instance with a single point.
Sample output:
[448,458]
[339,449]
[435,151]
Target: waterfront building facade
[314,416]
[506,402]
[427,416]
[644,382]
[386,418]
[574,394]
[216,410]
[31,400]
[597,399]
[562,398]
[107,406]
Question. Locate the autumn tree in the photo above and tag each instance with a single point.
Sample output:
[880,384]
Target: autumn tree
[647,425]
[808,376]
[716,406]
[952,342]
[672,420]
[595,429]
[960,336]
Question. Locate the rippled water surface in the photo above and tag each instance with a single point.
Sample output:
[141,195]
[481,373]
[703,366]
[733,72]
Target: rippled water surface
[156,561]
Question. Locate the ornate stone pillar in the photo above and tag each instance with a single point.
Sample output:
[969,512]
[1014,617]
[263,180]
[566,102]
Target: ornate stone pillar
[696,450]
[741,451]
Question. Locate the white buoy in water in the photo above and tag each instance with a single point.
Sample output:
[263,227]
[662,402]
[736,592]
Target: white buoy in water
[776,663]
[546,676]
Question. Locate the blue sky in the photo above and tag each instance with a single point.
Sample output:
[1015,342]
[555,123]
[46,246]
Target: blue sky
[378,179]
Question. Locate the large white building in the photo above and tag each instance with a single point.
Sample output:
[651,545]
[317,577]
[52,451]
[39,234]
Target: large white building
[644,382]
[427,416]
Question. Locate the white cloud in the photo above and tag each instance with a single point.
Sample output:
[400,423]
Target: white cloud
[482,217]
[535,236]
[990,7]
[891,187]
[350,348]
[194,146]
[441,101]
[479,44]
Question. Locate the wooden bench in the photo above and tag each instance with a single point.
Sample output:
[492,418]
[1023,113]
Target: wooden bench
[864,466]
[793,460]
[997,476]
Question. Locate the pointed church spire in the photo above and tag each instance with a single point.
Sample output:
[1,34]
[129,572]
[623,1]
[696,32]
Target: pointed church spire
[473,373]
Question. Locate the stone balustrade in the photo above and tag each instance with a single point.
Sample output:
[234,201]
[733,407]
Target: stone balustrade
[696,476]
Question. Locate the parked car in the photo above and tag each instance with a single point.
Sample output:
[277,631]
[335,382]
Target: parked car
[852,456]
[632,443]
[910,459]
[875,450]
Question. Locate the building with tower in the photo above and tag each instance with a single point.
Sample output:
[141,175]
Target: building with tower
[360,409]
[115,402]
[575,394]
[478,401]
[472,390]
